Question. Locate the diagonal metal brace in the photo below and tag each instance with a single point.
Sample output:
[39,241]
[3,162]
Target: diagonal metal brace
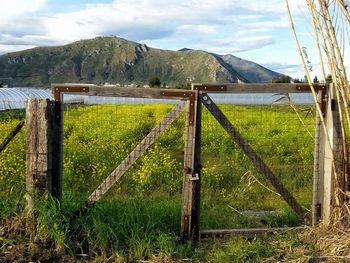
[253,156]
[12,135]
[140,149]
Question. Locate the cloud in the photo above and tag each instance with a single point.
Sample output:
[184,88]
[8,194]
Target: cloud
[273,7]
[22,26]
[12,48]
[294,70]
[281,66]
[225,26]
[12,9]
[240,44]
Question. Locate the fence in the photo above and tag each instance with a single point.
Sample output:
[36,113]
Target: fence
[248,162]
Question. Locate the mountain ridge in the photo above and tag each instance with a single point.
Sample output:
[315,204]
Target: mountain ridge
[117,60]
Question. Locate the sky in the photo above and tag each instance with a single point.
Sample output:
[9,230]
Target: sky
[254,30]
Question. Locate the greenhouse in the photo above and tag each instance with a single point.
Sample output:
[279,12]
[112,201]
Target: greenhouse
[16,98]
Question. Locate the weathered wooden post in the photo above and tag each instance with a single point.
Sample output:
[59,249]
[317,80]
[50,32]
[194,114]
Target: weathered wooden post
[318,174]
[192,172]
[43,150]
[329,166]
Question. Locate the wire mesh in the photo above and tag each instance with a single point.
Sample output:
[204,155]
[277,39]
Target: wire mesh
[100,134]
[12,163]
[281,134]
[103,143]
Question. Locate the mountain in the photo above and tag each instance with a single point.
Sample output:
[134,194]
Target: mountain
[250,70]
[116,60]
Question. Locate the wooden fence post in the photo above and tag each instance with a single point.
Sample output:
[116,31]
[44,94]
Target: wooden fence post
[192,173]
[328,170]
[318,174]
[43,150]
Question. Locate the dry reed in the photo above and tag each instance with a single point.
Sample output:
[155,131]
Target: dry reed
[331,23]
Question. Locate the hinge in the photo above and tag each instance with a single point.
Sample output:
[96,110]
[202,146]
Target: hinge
[324,102]
[190,95]
[333,105]
[318,212]
[194,177]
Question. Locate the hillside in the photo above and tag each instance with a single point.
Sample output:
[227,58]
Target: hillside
[250,70]
[116,60]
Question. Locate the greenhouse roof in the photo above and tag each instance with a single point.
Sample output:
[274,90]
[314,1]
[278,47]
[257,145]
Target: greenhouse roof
[16,98]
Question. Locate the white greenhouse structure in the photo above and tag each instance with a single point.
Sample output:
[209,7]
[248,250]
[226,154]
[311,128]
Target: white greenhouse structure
[16,98]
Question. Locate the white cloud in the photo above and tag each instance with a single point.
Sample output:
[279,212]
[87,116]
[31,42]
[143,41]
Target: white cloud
[12,48]
[268,25]
[11,9]
[294,70]
[237,25]
[271,6]
[241,44]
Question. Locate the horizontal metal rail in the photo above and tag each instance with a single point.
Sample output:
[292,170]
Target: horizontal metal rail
[237,88]
[155,93]
[115,91]
[245,232]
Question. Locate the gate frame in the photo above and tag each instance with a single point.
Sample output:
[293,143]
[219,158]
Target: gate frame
[327,171]
[190,223]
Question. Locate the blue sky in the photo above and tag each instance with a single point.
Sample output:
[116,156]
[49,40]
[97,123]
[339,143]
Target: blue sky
[255,30]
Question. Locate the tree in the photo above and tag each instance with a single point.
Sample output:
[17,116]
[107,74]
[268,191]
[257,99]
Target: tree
[305,79]
[154,82]
[284,79]
[316,80]
[329,78]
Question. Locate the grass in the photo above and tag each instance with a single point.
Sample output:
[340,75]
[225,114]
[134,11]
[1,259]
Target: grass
[139,219]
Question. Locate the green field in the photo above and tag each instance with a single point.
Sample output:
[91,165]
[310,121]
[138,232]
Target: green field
[139,219]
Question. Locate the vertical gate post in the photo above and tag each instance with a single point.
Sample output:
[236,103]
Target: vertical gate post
[328,173]
[318,174]
[43,150]
[57,149]
[190,218]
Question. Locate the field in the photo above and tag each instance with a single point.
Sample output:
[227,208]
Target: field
[139,219]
